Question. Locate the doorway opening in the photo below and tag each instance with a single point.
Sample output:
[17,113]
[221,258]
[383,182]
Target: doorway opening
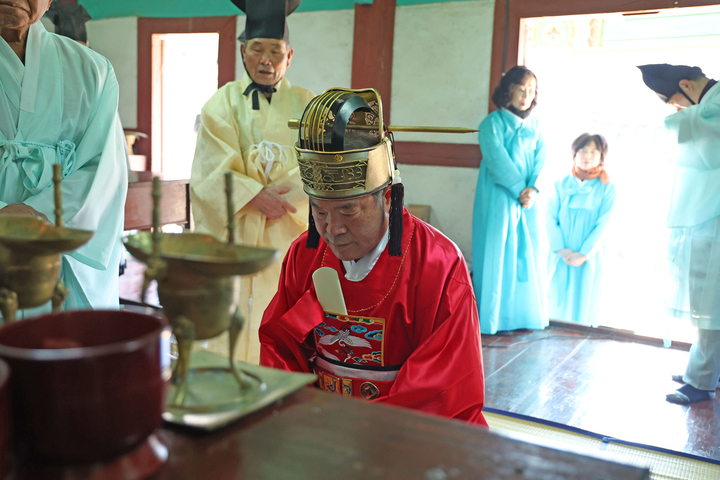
[184,77]
[588,82]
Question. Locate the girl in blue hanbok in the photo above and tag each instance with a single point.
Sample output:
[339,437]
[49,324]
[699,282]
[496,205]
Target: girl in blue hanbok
[507,274]
[577,214]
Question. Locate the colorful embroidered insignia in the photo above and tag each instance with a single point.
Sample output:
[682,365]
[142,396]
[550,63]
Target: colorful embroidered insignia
[332,384]
[368,391]
[347,387]
[355,340]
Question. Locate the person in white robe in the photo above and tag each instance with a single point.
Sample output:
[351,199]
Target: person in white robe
[244,129]
[58,104]
[694,217]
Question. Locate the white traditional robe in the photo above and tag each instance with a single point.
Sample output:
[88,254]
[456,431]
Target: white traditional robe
[61,107]
[257,146]
[694,217]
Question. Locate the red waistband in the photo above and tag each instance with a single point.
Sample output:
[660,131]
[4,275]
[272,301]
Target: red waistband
[352,387]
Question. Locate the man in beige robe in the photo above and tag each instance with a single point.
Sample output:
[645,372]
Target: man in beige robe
[245,130]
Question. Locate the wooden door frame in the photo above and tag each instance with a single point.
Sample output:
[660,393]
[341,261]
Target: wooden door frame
[224,26]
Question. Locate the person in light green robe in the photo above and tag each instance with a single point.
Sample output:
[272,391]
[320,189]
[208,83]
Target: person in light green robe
[58,104]
[694,217]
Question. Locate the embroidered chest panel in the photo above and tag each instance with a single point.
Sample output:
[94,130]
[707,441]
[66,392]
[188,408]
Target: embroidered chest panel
[354,340]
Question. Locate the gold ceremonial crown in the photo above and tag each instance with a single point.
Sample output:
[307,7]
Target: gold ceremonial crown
[331,167]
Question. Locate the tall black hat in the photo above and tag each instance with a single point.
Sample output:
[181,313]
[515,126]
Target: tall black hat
[266,18]
[69,20]
[663,78]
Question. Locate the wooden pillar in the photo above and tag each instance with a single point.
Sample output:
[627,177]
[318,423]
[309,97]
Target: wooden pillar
[373,49]
[500,30]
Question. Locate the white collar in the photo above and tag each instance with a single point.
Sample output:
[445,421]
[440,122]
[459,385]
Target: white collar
[356,271]
[32,67]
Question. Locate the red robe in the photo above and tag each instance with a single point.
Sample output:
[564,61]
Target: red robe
[430,327]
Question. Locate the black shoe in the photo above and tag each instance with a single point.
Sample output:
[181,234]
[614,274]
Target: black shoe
[687,394]
[679,379]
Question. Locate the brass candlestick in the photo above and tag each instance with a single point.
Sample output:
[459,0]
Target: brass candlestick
[30,257]
[197,288]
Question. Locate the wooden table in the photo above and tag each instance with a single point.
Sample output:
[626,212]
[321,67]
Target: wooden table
[317,435]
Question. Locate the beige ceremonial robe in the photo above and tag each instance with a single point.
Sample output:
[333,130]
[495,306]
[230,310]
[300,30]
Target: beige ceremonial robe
[257,146]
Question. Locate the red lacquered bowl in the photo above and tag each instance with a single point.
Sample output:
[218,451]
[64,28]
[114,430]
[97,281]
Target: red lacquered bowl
[4,417]
[87,385]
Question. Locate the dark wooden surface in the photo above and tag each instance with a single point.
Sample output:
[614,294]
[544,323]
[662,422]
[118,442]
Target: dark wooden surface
[317,435]
[438,154]
[598,383]
[174,204]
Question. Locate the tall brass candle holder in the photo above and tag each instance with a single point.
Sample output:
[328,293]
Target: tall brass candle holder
[198,289]
[30,257]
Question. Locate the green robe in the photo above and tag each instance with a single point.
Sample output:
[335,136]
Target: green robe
[61,107]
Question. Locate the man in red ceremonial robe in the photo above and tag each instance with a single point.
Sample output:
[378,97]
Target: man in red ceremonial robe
[411,334]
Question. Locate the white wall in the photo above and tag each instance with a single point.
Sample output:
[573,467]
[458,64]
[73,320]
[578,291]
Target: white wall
[323,44]
[116,39]
[441,67]
[322,41]
[450,191]
[441,75]
[47,23]
[441,70]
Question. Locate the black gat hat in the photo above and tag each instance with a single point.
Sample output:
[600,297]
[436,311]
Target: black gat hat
[266,18]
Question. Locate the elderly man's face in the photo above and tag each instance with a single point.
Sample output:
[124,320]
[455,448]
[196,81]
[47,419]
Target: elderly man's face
[692,89]
[266,59]
[679,102]
[351,227]
[20,14]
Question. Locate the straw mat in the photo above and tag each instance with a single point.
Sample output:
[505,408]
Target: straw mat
[663,464]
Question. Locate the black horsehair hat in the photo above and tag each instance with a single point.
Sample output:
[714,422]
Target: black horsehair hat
[663,78]
[266,18]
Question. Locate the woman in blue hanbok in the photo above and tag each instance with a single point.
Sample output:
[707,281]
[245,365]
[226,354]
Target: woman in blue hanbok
[507,272]
[577,213]
[58,104]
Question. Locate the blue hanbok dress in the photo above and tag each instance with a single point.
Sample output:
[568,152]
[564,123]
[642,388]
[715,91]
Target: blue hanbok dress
[508,271]
[577,214]
[60,106]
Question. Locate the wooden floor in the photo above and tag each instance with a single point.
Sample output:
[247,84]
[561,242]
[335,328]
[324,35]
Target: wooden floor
[612,387]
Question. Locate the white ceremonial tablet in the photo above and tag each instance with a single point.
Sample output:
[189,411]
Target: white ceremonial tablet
[329,292]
